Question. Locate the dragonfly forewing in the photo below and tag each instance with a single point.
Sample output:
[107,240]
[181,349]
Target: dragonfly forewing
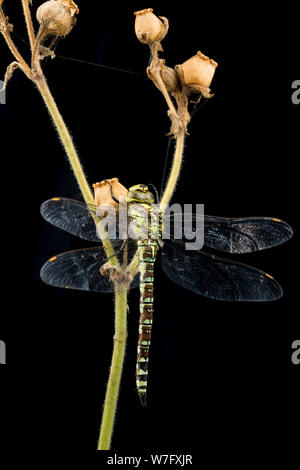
[235,235]
[245,235]
[72,216]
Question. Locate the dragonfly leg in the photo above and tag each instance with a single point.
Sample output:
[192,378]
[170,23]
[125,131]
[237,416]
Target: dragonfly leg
[113,197]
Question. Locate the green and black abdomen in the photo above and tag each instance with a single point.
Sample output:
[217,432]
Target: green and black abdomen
[147,250]
[147,230]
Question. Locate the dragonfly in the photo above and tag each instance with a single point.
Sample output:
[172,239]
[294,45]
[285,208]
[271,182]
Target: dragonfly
[201,271]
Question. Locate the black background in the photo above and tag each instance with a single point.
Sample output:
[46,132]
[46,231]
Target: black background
[221,375]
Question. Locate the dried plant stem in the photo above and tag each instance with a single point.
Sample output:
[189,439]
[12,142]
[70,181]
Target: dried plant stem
[154,73]
[29,24]
[175,171]
[4,29]
[112,392]
[35,59]
[165,93]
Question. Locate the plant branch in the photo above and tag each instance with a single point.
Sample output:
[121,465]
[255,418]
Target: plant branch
[175,171]
[28,21]
[69,147]
[66,139]
[154,72]
[5,30]
[113,385]
[35,74]
[112,392]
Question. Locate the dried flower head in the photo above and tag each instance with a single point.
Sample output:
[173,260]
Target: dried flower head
[57,16]
[197,72]
[104,191]
[148,27]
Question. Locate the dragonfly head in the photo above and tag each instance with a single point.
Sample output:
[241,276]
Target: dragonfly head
[140,193]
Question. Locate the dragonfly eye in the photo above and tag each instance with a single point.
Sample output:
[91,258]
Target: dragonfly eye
[140,193]
[140,196]
[143,188]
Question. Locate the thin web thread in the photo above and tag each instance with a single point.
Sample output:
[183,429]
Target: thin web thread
[196,107]
[116,69]
[165,165]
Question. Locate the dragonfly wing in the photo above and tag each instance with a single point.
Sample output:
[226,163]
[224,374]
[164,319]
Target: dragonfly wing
[233,235]
[72,216]
[217,278]
[245,235]
[79,269]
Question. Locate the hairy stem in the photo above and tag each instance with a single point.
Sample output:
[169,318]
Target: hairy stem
[35,59]
[175,171]
[66,139]
[36,75]
[112,392]
[4,29]
[69,147]
[28,21]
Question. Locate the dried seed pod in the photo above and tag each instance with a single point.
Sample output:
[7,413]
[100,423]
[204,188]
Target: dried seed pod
[170,78]
[104,190]
[148,27]
[197,72]
[57,16]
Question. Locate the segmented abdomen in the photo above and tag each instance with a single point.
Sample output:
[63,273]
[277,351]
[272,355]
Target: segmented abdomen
[147,250]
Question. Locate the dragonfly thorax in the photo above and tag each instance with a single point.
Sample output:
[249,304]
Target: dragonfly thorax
[140,194]
[145,216]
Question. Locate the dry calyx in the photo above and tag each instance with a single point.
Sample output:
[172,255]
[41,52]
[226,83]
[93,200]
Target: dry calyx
[149,28]
[110,193]
[197,73]
[56,19]
[193,76]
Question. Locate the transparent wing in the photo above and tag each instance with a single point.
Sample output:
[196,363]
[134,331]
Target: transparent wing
[244,235]
[79,269]
[238,235]
[71,216]
[217,278]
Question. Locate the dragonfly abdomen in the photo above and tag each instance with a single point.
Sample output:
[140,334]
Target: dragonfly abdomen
[147,250]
